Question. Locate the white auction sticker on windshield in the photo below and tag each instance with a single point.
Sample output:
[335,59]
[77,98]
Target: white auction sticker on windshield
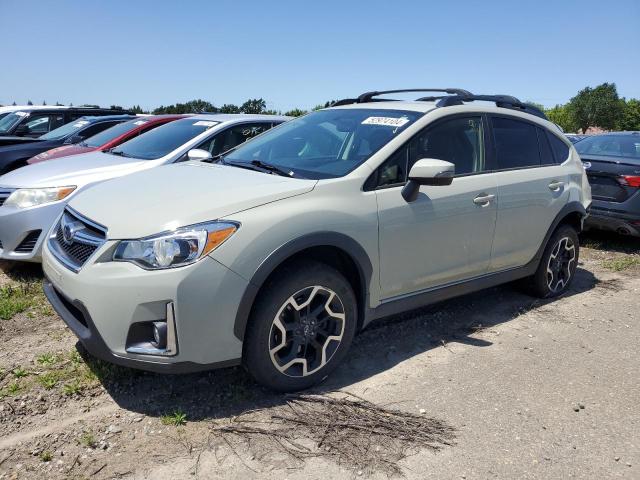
[386,121]
[140,122]
[205,123]
[81,123]
[22,114]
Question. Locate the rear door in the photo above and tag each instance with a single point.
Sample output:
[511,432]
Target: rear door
[532,189]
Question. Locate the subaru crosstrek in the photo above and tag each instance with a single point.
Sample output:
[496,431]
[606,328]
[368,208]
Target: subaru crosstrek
[276,253]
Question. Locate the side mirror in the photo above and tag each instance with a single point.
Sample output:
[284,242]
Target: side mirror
[427,171]
[74,139]
[199,155]
[21,131]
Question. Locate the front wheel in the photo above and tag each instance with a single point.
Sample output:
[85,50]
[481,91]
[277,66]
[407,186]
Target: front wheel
[301,327]
[558,264]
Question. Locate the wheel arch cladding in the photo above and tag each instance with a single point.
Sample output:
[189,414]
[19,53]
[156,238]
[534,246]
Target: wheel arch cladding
[335,249]
[573,213]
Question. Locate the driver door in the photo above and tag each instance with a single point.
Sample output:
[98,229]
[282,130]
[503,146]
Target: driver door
[445,236]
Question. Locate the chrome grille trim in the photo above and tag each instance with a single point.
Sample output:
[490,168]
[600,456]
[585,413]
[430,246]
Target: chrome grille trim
[85,241]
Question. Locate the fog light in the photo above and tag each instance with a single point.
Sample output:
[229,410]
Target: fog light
[160,335]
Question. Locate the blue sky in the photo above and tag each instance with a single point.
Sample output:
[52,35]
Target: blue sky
[301,53]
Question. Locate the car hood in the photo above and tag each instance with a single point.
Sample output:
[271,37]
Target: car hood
[63,151]
[79,170]
[172,196]
[10,140]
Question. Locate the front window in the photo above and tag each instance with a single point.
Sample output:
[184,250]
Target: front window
[610,145]
[65,130]
[163,140]
[109,134]
[11,120]
[325,144]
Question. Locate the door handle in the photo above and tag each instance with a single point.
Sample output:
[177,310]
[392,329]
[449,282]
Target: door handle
[555,186]
[483,199]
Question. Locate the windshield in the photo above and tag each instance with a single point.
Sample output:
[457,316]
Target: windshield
[65,130]
[11,120]
[610,145]
[163,140]
[109,134]
[327,143]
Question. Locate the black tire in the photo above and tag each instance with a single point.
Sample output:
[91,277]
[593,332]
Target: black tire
[554,276]
[299,332]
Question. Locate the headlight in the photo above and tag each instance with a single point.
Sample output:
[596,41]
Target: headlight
[175,249]
[30,197]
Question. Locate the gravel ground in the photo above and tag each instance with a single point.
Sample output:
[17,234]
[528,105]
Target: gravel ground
[533,389]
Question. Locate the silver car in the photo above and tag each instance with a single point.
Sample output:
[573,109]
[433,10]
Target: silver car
[276,255]
[33,197]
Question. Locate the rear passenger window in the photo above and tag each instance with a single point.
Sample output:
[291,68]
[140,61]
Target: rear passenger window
[560,149]
[545,150]
[516,143]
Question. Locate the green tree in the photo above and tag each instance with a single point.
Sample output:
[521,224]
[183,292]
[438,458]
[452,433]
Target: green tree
[296,112]
[596,107]
[29,102]
[116,107]
[229,108]
[560,115]
[254,105]
[44,102]
[192,106]
[630,118]
[137,109]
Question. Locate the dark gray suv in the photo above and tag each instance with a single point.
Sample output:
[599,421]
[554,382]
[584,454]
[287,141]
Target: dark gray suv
[612,162]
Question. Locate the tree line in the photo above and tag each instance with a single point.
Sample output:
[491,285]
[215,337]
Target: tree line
[600,106]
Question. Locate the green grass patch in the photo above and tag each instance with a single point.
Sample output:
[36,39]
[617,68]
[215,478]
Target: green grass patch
[11,390]
[88,439]
[20,372]
[47,359]
[46,456]
[49,379]
[621,263]
[177,418]
[24,296]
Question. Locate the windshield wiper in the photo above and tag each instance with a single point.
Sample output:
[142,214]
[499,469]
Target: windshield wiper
[119,153]
[272,168]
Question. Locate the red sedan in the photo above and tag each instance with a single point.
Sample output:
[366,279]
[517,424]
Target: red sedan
[108,138]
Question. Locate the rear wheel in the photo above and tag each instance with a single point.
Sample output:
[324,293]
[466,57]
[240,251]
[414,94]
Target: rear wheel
[558,264]
[301,327]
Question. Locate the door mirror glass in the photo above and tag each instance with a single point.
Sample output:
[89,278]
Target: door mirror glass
[21,131]
[199,155]
[428,171]
[74,139]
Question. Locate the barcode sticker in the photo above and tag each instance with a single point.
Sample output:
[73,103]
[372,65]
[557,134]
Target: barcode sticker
[386,121]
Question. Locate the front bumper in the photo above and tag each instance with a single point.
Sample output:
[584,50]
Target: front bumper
[102,302]
[16,224]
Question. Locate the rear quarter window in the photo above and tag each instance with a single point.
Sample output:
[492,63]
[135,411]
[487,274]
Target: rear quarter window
[559,148]
[516,143]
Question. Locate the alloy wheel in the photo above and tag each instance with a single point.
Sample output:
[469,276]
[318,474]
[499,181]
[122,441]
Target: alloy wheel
[306,331]
[560,265]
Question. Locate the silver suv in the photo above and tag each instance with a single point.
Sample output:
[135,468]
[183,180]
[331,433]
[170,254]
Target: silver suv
[276,253]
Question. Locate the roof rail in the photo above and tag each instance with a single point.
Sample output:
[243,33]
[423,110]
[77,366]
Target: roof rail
[455,96]
[369,96]
[503,101]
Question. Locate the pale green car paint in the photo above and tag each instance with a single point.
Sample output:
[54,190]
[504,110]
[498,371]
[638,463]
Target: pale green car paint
[440,239]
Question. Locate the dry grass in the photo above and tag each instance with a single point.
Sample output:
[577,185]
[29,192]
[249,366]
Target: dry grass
[352,431]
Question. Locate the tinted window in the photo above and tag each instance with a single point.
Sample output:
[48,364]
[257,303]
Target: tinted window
[233,136]
[327,143]
[545,149]
[66,130]
[560,149]
[97,128]
[109,134]
[516,143]
[610,145]
[459,141]
[163,140]
[11,120]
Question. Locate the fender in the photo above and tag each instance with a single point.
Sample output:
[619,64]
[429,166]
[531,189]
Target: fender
[319,239]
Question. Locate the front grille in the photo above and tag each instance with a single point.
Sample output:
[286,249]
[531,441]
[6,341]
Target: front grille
[75,238]
[4,194]
[28,244]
